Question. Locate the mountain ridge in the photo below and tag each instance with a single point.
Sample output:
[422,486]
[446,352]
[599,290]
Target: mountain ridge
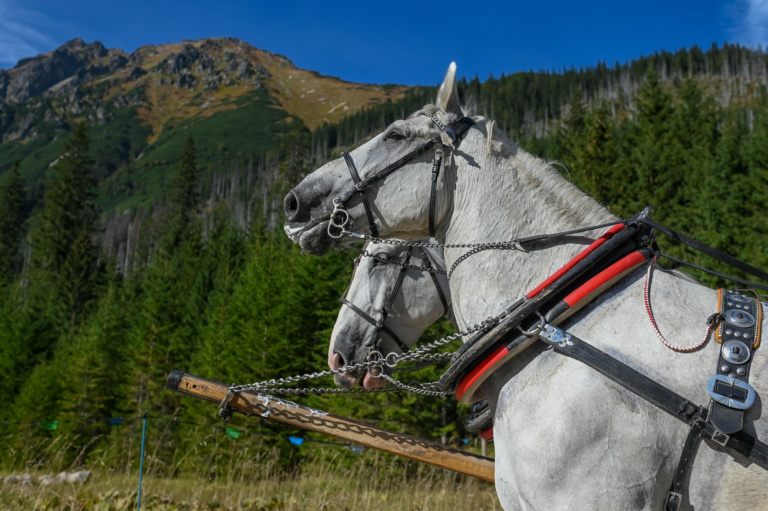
[238,98]
[200,65]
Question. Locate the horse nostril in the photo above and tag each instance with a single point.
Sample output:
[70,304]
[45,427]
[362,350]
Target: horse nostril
[292,205]
[337,361]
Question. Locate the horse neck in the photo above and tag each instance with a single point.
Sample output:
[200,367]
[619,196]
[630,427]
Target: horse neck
[502,196]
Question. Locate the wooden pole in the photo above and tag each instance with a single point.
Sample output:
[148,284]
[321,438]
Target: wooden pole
[292,414]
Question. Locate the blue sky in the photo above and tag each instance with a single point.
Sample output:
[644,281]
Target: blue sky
[394,41]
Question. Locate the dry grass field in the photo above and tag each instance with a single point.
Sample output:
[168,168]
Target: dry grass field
[323,485]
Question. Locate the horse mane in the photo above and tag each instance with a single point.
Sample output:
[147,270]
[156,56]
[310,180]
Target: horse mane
[505,154]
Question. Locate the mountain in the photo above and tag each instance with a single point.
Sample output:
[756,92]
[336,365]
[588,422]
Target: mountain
[235,99]
[89,334]
[260,123]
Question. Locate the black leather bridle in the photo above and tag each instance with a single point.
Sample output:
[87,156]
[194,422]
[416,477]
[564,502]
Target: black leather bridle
[378,323]
[340,218]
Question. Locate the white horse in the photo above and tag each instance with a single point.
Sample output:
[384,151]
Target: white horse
[566,437]
[416,303]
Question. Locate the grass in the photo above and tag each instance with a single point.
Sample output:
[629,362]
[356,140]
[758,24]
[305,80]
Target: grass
[322,482]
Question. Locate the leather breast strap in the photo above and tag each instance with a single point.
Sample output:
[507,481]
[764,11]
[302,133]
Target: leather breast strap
[356,179]
[662,397]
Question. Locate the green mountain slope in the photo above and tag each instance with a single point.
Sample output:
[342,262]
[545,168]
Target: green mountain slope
[236,99]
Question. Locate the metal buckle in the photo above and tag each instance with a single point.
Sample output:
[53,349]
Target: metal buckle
[669,504]
[225,412]
[554,335]
[728,401]
[720,438]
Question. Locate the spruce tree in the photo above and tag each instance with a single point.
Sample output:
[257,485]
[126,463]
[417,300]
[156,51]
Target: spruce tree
[652,159]
[63,251]
[11,221]
[185,196]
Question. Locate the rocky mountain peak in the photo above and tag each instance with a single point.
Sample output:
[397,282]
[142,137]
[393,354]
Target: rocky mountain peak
[167,84]
[75,61]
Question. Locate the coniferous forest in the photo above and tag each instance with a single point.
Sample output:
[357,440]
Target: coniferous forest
[88,334]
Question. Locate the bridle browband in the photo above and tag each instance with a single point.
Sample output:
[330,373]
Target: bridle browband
[340,217]
[373,341]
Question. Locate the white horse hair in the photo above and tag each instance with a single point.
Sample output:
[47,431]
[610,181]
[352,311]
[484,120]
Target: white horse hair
[417,305]
[566,437]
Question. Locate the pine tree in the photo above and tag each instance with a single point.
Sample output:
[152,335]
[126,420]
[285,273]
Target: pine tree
[68,205]
[63,250]
[185,196]
[652,157]
[11,221]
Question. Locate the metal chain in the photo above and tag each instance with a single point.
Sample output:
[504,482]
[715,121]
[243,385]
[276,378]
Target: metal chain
[327,390]
[393,360]
[419,355]
[417,388]
[475,248]
[365,253]
[418,366]
[515,244]
[506,245]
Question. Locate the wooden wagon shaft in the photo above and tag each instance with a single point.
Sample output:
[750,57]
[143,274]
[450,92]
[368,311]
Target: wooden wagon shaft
[292,414]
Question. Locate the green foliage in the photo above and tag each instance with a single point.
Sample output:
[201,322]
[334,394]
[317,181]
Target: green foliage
[254,126]
[695,162]
[80,345]
[11,221]
[63,252]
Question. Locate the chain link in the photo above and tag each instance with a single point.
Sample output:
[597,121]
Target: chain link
[474,249]
[327,390]
[420,355]
[422,269]
[508,245]
[502,245]
[417,388]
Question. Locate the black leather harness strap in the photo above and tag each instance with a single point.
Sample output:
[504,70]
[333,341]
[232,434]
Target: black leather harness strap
[369,319]
[706,249]
[480,418]
[378,324]
[675,494]
[429,268]
[456,131]
[715,273]
[356,179]
[664,398]
[739,333]
[433,192]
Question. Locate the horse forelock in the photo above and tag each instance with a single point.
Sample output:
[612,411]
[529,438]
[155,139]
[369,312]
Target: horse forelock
[445,117]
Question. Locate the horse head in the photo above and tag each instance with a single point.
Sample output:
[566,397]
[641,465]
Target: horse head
[389,304]
[360,190]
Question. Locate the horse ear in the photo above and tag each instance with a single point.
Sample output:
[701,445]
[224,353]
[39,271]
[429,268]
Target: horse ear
[448,95]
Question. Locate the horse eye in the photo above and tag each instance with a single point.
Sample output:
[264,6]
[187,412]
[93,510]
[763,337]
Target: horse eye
[394,135]
[380,259]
